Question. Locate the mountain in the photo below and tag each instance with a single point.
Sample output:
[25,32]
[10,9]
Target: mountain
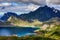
[42,14]
[6,16]
[35,18]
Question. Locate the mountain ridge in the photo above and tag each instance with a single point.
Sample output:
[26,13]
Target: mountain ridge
[41,13]
[35,18]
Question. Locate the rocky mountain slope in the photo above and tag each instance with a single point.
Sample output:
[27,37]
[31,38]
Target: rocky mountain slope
[35,18]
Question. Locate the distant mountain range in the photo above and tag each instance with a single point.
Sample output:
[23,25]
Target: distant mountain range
[42,14]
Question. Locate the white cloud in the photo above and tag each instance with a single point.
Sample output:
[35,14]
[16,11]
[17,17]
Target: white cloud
[38,2]
[8,4]
[5,4]
[55,6]
[29,6]
[20,7]
[53,1]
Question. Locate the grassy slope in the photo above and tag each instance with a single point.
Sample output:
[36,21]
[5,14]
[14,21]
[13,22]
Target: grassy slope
[19,22]
[54,32]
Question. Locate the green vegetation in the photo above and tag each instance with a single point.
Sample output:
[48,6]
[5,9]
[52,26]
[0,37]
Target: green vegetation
[25,38]
[53,33]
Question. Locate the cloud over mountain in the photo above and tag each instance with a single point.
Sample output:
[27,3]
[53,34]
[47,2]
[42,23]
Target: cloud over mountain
[53,1]
[31,4]
[37,2]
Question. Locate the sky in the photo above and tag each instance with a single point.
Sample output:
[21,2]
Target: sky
[25,6]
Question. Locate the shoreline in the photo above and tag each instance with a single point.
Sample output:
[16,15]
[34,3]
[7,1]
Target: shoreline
[18,26]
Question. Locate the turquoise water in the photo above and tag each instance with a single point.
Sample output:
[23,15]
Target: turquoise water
[19,31]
